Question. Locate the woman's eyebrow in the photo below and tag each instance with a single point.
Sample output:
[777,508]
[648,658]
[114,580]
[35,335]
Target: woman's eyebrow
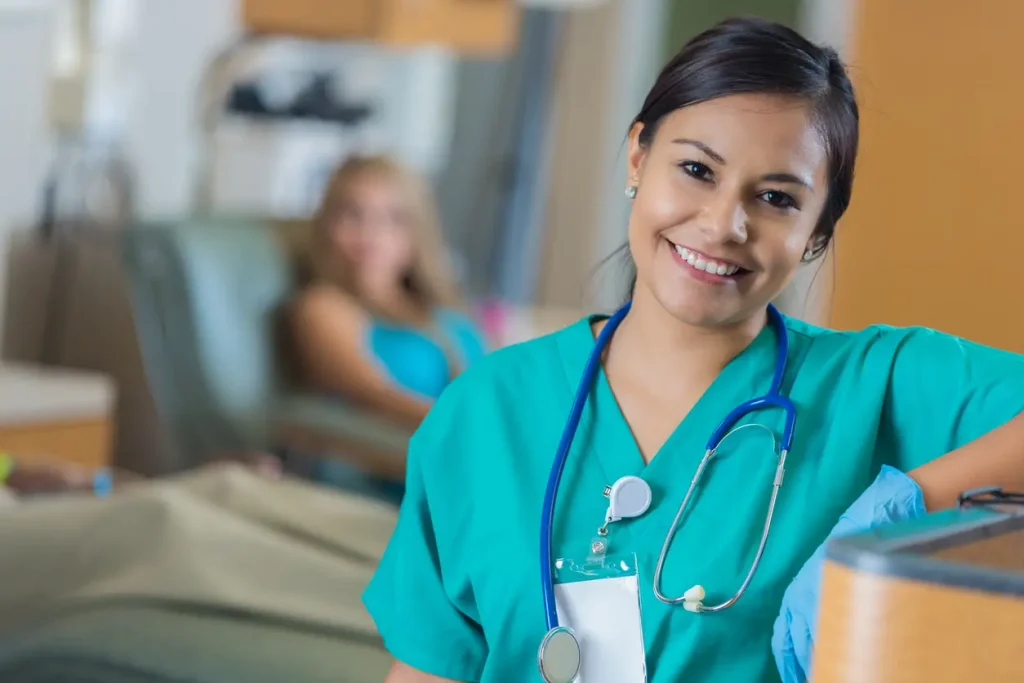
[788,178]
[702,147]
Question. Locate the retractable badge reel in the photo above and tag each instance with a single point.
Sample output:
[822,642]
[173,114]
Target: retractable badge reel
[627,498]
[607,621]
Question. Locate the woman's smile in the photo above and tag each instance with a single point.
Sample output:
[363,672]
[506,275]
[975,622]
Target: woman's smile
[706,268]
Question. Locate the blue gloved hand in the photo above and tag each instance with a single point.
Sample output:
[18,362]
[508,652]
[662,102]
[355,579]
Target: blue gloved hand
[893,496]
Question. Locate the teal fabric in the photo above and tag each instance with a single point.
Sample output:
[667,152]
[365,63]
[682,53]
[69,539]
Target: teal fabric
[457,593]
[416,361]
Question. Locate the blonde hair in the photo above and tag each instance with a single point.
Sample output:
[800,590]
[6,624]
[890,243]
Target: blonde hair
[427,281]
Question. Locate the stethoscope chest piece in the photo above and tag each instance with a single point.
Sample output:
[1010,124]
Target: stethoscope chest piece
[559,656]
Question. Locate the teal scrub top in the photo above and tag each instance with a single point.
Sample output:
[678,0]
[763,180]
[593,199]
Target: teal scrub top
[457,593]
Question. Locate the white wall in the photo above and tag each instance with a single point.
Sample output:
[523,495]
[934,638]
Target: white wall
[175,42]
[157,90]
[26,32]
[261,168]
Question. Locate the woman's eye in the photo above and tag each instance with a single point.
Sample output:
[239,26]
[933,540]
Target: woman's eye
[779,200]
[697,170]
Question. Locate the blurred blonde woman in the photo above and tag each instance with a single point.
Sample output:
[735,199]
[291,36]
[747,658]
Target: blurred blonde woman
[378,322]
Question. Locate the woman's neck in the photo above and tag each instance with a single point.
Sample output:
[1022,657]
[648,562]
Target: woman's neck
[652,345]
[391,300]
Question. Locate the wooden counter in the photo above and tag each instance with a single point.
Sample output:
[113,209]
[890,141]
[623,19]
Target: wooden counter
[935,600]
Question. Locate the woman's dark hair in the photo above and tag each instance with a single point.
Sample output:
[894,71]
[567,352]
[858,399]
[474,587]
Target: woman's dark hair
[750,55]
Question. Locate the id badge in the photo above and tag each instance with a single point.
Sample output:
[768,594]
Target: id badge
[599,599]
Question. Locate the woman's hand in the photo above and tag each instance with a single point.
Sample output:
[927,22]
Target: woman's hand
[49,477]
[893,496]
[44,477]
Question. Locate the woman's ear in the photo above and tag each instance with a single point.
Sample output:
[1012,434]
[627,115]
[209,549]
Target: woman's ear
[635,155]
[816,246]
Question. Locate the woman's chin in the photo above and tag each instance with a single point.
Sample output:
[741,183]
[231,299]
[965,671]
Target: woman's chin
[699,310]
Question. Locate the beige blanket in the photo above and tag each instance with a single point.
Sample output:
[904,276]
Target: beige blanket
[224,540]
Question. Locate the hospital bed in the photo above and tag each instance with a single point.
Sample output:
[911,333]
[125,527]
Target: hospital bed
[218,576]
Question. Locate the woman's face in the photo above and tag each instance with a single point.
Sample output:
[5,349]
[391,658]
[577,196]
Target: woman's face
[371,232]
[728,194]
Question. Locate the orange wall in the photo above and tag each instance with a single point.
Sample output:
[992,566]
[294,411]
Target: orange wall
[935,234]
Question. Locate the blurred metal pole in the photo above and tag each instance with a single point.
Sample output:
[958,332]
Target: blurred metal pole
[516,260]
[214,88]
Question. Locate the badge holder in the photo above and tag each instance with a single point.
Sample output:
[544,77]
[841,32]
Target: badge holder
[598,600]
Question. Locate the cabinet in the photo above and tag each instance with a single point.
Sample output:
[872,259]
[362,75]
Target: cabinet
[464,25]
[52,413]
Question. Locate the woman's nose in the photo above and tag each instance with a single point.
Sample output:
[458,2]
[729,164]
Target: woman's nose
[725,218]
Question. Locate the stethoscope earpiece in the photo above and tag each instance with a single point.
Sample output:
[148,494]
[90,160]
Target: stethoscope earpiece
[693,599]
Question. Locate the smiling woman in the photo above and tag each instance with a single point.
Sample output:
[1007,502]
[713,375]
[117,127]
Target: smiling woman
[740,164]
[771,146]
[701,198]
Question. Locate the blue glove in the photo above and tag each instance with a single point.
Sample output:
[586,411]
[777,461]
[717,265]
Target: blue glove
[893,496]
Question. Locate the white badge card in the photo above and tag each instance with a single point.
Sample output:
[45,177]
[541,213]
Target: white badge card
[599,599]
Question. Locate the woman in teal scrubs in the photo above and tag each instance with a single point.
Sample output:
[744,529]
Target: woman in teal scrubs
[740,164]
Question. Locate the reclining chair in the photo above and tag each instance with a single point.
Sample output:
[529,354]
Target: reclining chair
[206,296]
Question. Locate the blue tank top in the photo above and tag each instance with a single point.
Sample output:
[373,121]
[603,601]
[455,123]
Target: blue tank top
[416,361]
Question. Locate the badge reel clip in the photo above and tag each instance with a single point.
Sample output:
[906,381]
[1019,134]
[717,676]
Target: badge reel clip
[560,656]
[629,497]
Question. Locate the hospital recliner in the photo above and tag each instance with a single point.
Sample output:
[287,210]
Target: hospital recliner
[206,297]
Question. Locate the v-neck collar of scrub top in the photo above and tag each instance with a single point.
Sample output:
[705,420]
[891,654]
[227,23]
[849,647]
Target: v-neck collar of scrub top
[609,443]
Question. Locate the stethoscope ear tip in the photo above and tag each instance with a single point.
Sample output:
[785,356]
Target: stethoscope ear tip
[693,599]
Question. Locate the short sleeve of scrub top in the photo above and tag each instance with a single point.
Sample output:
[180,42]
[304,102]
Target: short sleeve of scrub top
[945,392]
[457,593]
[424,623]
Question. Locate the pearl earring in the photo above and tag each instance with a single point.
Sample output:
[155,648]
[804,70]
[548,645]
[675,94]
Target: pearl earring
[631,192]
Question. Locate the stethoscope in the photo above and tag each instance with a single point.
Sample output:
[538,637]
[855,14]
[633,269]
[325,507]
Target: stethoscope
[559,656]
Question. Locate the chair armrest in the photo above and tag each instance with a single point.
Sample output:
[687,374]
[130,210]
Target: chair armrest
[331,427]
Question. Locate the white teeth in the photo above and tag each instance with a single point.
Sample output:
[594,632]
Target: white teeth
[707,265]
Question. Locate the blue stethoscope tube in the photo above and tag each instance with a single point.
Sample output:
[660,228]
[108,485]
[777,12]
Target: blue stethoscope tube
[773,399]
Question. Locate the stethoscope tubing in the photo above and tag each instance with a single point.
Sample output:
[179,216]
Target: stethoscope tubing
[561,456]
[773,399]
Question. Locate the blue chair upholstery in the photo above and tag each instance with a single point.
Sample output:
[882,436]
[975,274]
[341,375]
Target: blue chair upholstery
[206,297]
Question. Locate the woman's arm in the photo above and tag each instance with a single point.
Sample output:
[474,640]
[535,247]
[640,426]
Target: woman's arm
[995,459]
[329,333]
[400,673]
